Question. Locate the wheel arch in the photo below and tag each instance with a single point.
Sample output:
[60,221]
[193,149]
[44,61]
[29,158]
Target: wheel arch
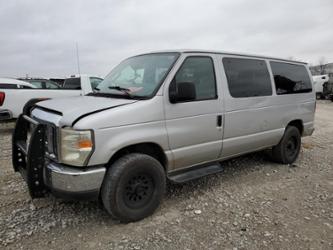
[298,123]
[150,148]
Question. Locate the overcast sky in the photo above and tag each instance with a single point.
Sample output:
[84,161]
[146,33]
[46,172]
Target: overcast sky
[38,37]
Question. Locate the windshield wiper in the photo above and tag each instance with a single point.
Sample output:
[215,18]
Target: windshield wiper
[124,90]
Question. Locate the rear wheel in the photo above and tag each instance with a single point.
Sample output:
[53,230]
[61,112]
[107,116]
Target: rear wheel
[287,150]
[133,187]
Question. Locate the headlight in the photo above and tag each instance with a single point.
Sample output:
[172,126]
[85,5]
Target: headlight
[76,146]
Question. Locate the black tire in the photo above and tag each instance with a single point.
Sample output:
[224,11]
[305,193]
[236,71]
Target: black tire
[133,187]
[287,151]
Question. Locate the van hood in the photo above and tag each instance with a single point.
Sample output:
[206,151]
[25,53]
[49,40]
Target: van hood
[70,110]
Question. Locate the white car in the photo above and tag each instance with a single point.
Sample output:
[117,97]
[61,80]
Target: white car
[319,82]
[13,97]
[9,83]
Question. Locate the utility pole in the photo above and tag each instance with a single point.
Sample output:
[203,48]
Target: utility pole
[77,57]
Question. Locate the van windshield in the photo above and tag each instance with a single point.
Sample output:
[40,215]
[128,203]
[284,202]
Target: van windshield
[139,76]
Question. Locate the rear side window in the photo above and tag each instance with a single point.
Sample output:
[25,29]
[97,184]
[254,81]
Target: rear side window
[8,86]
[72,83]
[51,85]
[37,84]
[247,77]
[290,78]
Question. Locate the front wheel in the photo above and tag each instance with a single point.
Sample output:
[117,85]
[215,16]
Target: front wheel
[286,152]
[133,187]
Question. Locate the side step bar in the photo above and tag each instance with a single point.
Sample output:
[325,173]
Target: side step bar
[184,175]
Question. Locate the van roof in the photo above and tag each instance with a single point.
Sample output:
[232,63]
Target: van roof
[226,53]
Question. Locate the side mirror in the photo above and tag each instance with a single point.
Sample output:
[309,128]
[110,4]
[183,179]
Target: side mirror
[182,92]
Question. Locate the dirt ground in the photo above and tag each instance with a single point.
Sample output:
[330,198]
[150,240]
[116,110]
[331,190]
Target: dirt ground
[252,204]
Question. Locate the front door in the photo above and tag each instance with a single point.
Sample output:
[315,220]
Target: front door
[195,127]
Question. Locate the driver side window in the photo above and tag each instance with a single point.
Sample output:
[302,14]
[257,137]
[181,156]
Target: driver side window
[198,70]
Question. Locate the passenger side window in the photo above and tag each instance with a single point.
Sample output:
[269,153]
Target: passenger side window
[290,78]
[198,70]
[247,77]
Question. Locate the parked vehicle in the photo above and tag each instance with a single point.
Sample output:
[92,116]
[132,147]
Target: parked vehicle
[320,82]
[170,115]
[74,81]
[8,83]
[328,87]
[15,99]
[41,83]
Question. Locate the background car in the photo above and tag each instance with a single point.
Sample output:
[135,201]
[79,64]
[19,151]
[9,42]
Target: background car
[14,102]
[9,83]
[319,82]
[74,82]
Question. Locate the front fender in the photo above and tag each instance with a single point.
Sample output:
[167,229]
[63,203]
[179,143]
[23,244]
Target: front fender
[111,140]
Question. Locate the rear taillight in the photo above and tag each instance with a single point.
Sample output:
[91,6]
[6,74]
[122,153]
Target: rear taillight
[2,98]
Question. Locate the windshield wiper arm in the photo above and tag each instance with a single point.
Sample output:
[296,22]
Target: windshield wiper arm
[124,90]
[119,88]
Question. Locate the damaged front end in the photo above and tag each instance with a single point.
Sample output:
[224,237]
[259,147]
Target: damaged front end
[35,156]
[29,145]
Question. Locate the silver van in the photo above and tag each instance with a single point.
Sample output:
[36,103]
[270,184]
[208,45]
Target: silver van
[172,115]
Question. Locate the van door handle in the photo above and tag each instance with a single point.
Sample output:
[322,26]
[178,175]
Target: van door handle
[219,120]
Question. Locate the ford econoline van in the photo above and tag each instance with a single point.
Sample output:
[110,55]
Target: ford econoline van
[172,115]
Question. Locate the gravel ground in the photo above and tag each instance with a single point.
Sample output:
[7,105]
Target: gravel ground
[253,204]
